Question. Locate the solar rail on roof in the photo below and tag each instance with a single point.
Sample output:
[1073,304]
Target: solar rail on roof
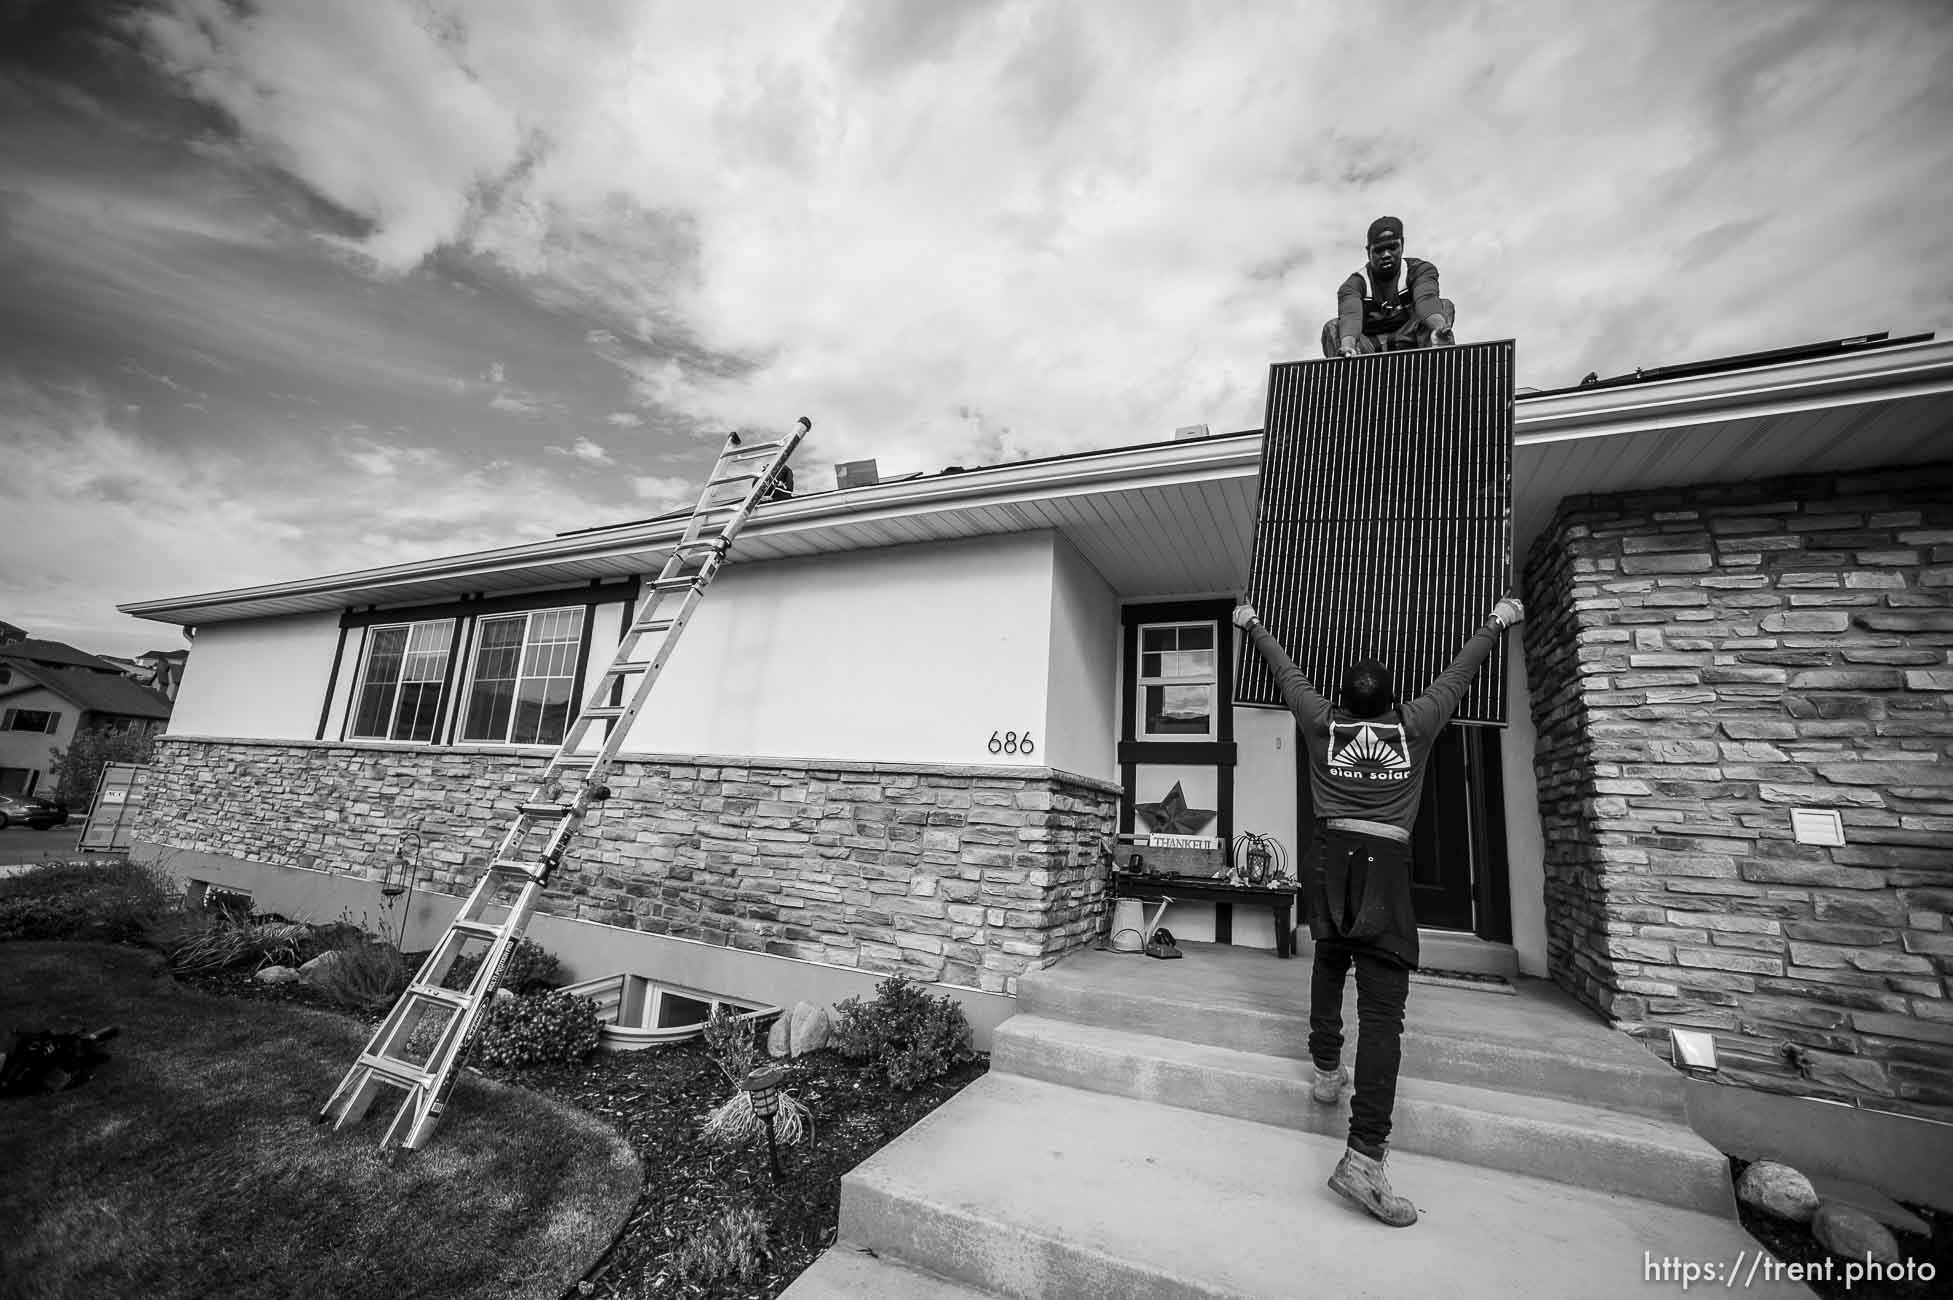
[1385,524]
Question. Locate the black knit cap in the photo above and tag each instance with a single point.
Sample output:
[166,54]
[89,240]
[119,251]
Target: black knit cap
[1385,228]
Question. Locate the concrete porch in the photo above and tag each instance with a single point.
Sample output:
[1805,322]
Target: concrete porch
[1146,1130]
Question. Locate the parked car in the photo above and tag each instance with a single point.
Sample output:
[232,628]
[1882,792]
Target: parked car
[33,810]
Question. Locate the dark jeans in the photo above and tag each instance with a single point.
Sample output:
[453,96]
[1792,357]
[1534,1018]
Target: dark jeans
[1382,986]
[1414,334]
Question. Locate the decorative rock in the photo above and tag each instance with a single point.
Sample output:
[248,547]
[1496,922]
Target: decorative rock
[810,1029]
[313,970]
[276,975]
[1853,1234]
[1778,1189]
[1860,1196]
[779,1037]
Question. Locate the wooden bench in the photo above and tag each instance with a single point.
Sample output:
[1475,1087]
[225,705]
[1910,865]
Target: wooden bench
[1280,900]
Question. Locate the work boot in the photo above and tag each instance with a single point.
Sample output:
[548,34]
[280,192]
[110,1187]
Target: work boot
[1330,1084]
[1365,1181]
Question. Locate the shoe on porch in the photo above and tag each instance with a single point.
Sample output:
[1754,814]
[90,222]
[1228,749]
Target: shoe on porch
[1365,1182]
[1330,1084]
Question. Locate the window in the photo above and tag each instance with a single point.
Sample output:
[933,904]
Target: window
[1176,680]
[30,720]
[524,681]
[400,692]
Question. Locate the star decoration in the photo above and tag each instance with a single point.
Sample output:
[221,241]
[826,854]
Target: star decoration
[1172,816]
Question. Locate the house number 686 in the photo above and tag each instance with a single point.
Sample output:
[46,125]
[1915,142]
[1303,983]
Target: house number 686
[1010,742]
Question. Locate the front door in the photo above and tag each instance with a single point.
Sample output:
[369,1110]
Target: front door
[1458,844]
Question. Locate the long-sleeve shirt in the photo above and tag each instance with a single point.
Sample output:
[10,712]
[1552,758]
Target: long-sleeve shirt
[1372,768]
[1365,309]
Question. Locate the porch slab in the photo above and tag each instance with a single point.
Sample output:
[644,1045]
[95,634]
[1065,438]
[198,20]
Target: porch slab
[1537,1041]
[1023,1188]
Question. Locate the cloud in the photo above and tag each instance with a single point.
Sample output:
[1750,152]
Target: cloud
[191,518]
[584,450]
[1093,225]
[624,419]
[662,490]
[512,403]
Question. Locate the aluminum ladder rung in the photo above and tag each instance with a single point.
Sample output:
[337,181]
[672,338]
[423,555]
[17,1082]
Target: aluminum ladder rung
[541,810]
[621,667]
[603,711]
[480,929]
[446,997]
[394,1071]
[515,867]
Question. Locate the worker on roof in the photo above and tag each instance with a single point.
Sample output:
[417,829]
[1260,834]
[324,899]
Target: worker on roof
[1391,304]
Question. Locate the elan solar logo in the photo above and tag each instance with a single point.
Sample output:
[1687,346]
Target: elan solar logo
[1369,751]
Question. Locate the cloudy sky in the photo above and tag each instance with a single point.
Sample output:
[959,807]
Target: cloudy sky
[303,286]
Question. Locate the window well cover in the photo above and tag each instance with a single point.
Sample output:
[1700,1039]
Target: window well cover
[1385,524]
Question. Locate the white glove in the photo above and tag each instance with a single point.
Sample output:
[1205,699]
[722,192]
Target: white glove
[1244,615]
[1509,612]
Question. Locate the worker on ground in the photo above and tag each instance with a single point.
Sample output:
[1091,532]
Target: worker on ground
[1366,771]
[1391,304]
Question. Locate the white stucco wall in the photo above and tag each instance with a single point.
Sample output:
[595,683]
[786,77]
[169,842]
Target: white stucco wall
[1525,845]
[34,750]
[1081,725]
[898,654]
[261,679]
[1264,778]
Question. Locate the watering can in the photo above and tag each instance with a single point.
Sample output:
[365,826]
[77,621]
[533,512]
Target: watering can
[1127,916]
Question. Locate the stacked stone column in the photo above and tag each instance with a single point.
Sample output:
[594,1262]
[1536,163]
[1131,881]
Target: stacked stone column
[1703,662]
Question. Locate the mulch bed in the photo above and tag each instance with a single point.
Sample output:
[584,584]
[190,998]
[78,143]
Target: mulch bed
[1793,1244]
[657,1099]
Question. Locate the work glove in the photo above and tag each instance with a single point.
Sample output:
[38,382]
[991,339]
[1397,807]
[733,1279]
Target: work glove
[1244,615]
[1509,612]
[1347,348]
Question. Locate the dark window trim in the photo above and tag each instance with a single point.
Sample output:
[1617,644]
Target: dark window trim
[597,593]
[466,666]
[1221,753]
[359,671]
[1215,753]
[332,685]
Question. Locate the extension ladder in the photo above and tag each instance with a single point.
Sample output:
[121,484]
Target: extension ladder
[419,1047]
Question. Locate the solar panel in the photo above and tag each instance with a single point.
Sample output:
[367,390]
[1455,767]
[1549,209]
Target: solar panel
[1385,522]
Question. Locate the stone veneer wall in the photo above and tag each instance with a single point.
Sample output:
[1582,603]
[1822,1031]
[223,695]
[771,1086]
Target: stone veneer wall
[1703,661]
[968,876]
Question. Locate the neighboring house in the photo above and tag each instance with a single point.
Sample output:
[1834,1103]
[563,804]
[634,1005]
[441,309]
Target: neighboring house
[43,708]
[159,670]
[908,717]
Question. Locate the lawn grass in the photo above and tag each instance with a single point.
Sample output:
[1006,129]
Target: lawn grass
[191,1166]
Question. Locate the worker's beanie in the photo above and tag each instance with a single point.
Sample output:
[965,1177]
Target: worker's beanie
[1385,228]
[1366,688]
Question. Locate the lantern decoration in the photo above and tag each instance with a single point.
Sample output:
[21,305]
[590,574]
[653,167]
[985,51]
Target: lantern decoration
[763,1087]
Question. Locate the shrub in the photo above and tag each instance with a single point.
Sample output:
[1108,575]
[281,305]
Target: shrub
[115,900]
[733,1246]
[551,1026]
[531,968]
[208,946]
[365,974]
[731,1043]
[913,1036]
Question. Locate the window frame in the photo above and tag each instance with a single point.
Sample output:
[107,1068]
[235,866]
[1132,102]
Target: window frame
[9,722]
[572,641]
[355,704]
[1141,682]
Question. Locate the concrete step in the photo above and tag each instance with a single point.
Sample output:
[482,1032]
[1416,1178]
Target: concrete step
[847,1272]
[1538,1041]
[1571,1142]
[1026,1189]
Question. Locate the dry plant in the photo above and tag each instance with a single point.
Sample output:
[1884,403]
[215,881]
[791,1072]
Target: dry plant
[731,1043]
